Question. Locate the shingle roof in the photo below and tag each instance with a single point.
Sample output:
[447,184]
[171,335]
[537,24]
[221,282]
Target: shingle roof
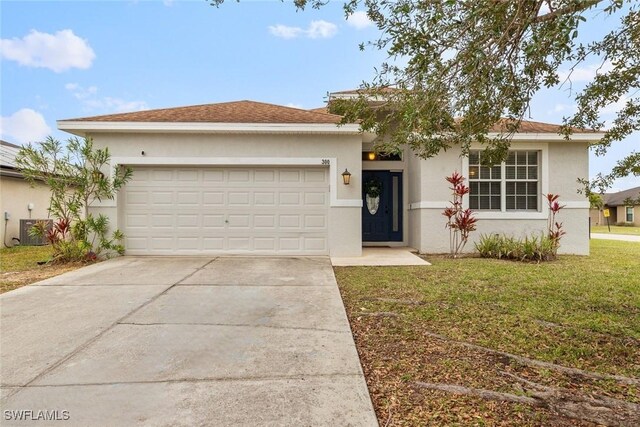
[8,144]
[8,152]
[526,126]
[617,199]
[226,112]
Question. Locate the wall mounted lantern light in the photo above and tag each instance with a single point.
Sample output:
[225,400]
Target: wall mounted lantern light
[97,175]
[346,177]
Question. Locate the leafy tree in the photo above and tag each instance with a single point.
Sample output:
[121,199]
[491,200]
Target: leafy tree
[595,201]
[73,173]
[456,68]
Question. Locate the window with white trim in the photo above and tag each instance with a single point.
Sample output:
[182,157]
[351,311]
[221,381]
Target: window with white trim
[514,185]
[629,212]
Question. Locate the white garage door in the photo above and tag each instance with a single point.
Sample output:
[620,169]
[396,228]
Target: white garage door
[220,210]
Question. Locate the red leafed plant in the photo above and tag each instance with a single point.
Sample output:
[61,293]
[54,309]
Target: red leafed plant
[460,222]
[554,228]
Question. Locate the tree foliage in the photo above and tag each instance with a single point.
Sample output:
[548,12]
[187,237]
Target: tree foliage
[73,173]
[456,68]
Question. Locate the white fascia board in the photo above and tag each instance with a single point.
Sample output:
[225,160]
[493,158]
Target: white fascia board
[82,127]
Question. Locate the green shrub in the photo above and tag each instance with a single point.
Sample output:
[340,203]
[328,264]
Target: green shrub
[73,173]
[530,248]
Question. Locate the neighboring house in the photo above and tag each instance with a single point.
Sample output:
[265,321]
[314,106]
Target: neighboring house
[18,199]
[623,206]
[253,178]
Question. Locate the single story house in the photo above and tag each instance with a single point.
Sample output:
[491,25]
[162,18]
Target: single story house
[623,206]
[18,199]
[253,178]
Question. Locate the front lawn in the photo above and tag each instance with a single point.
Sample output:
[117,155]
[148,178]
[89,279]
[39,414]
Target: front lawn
[19,266]
[485,324]
[616,229]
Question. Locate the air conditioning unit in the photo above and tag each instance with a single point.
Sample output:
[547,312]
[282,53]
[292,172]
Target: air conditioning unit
[28,240]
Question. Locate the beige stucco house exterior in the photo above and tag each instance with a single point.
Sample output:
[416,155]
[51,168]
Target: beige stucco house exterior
[253,178]
[18,199]
[623,207]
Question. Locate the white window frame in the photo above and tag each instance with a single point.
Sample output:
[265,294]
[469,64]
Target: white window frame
[543,178]
[626,214]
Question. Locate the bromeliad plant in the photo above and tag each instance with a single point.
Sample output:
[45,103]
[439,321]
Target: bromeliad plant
[460,221]
[73,173]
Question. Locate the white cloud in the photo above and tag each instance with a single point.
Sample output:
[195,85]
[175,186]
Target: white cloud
[79,92]
[559,108]
[90,99]
[117,105]
[285,32]
[292,105]
[316,30]
[359,20]
[58,52]
[614,107]
[24,126]
[585,73]
[321,30]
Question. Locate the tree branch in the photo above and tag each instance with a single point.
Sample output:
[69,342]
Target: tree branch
[577,6]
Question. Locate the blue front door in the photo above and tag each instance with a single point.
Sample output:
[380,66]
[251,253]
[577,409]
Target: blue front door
[382,214]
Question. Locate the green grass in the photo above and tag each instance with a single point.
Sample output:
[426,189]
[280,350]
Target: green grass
[578,311]
[616,229]
[22,258]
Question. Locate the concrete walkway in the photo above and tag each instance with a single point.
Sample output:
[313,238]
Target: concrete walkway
[623,237]
[183,342]
[381,256]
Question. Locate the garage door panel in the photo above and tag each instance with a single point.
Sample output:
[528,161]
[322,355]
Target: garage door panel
[264,176]
[215,221]
[289,198]
[160,175]
[213,198]
[239,176]
[315,176]
[315,198]
[239,221]
[238,198]
[160,198]
[220,210]
[189,198]
[137,198]
[261,198]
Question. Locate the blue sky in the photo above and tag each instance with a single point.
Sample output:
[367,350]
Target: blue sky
[71,59]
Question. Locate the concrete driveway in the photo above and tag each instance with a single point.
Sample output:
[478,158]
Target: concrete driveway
[182,342]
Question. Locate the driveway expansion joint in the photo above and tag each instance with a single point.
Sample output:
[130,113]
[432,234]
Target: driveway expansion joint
[237,325]
[93,339]
[300,377]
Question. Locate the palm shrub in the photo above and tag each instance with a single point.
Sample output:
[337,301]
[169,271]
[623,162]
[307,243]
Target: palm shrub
[73,173]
